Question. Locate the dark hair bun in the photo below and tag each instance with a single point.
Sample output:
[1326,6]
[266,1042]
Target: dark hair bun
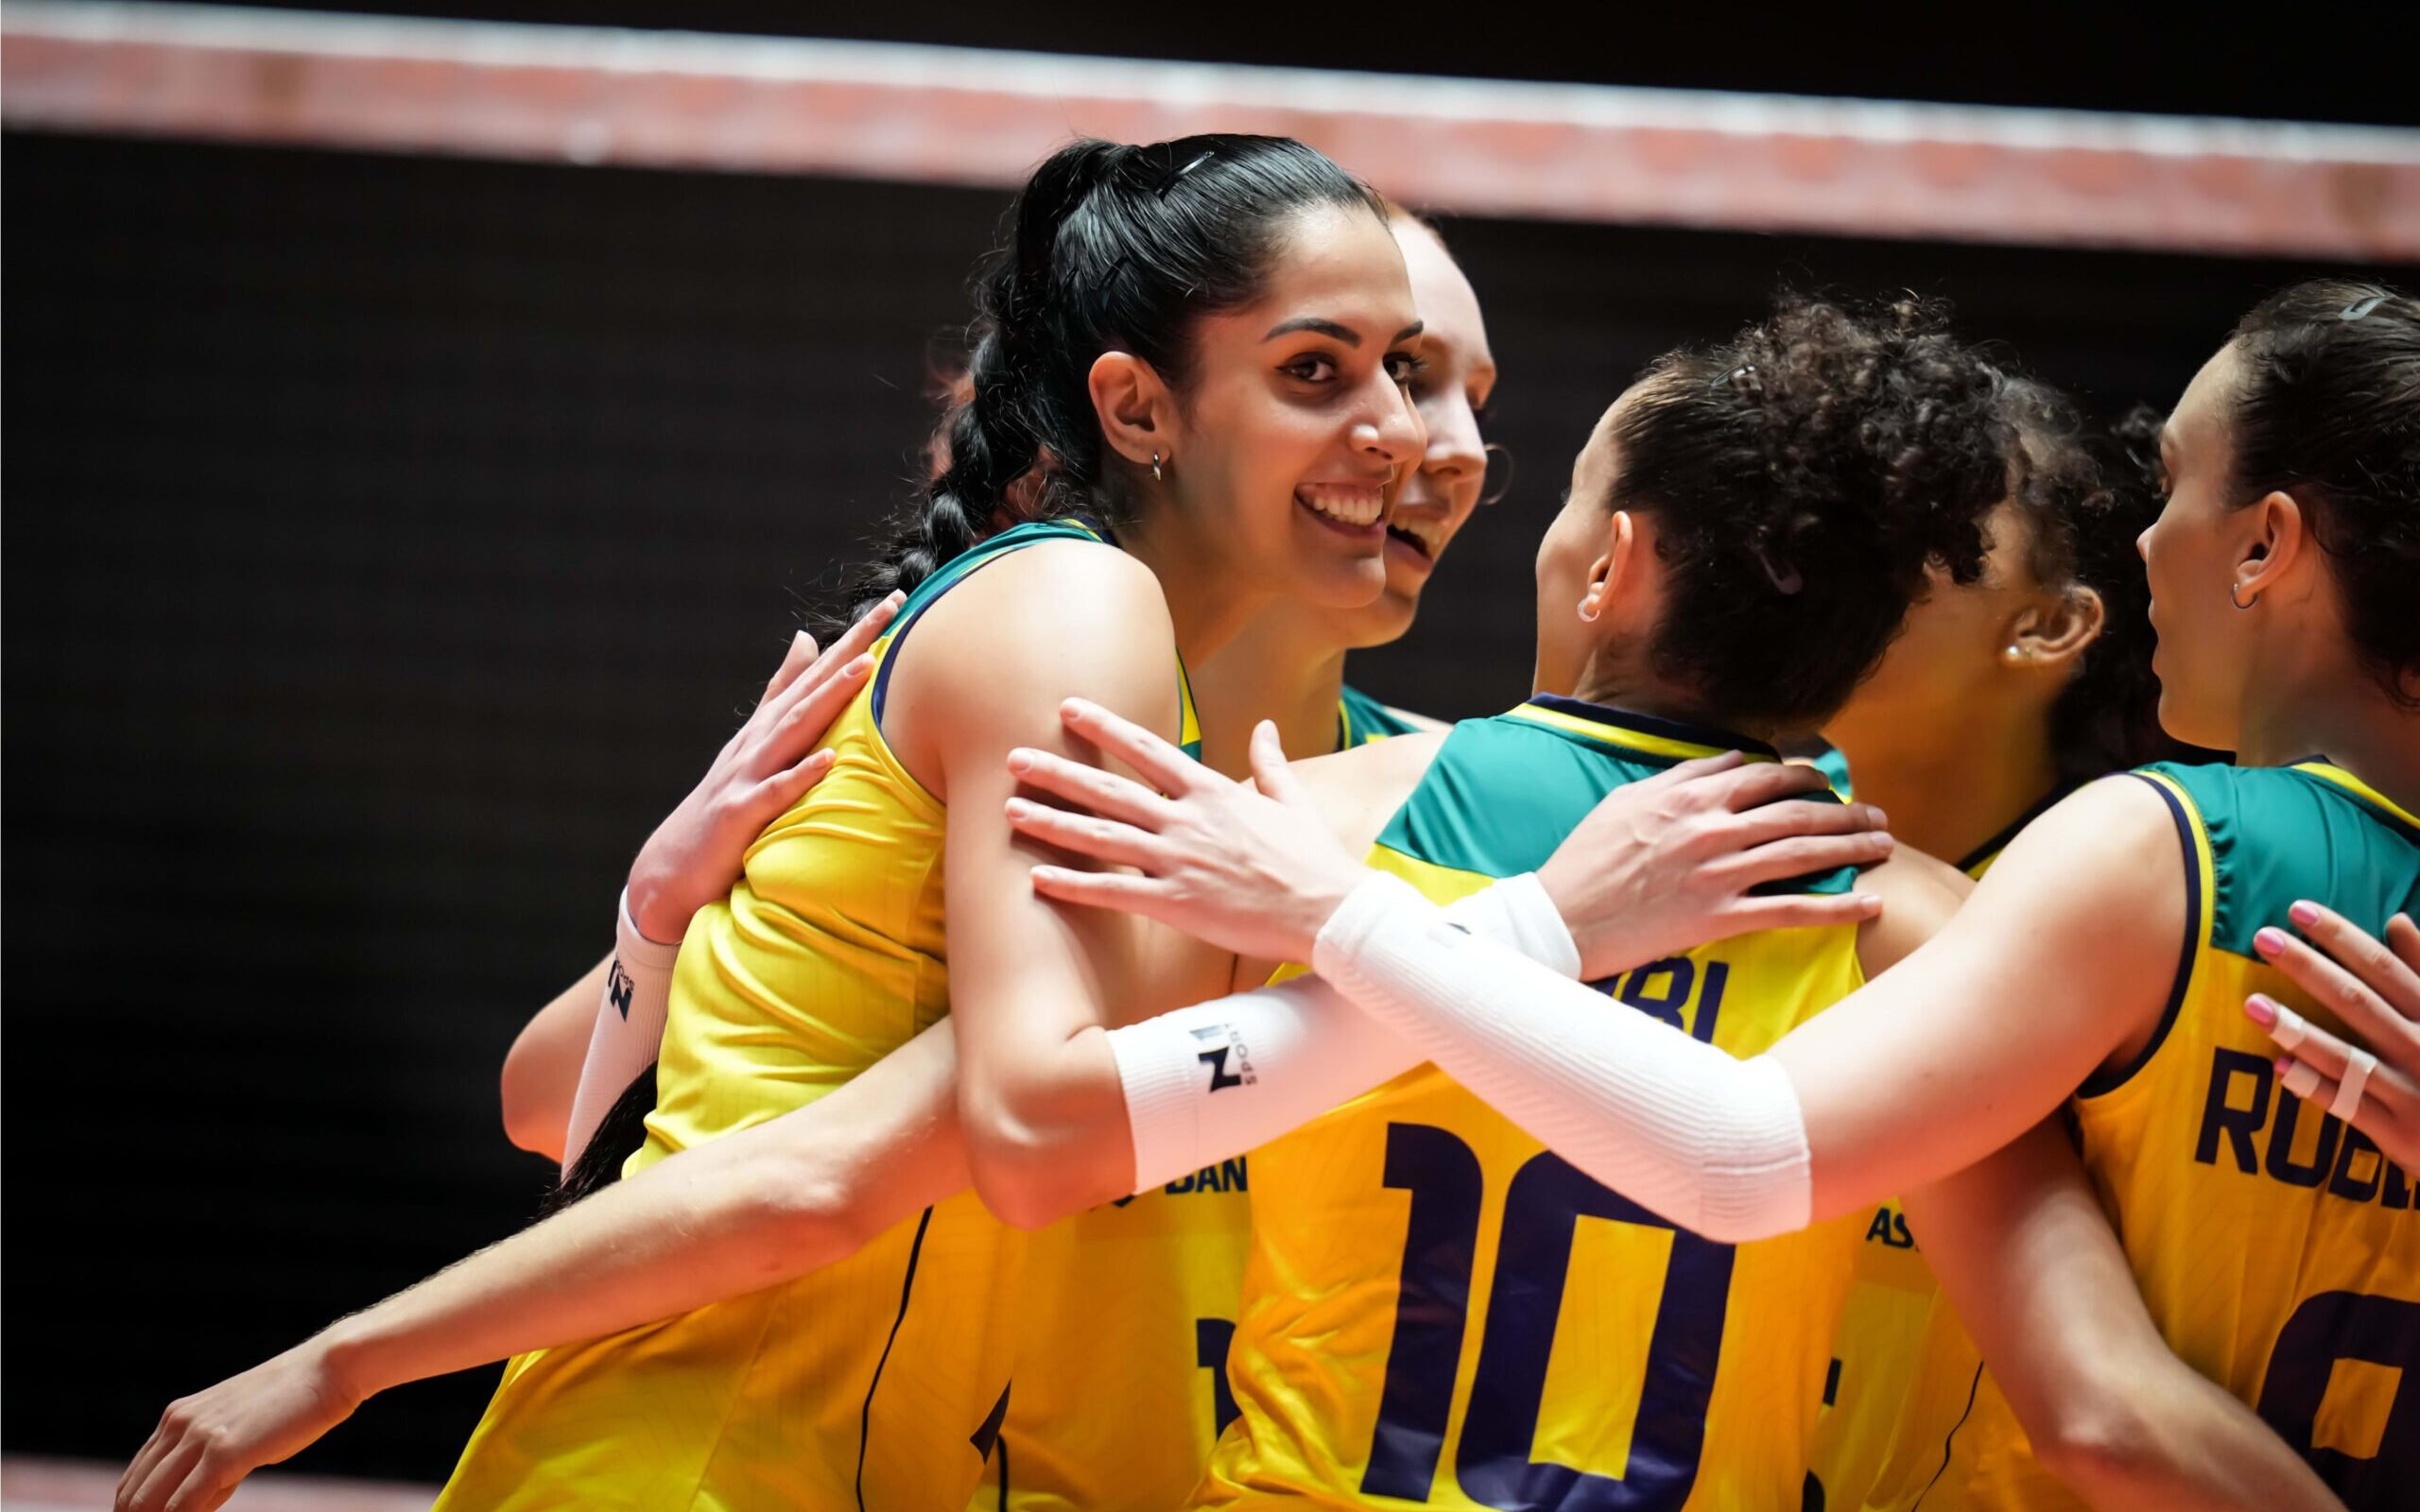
[1802,476]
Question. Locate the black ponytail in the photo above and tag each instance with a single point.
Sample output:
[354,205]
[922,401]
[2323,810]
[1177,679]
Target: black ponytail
[1108,245]
[1801,477]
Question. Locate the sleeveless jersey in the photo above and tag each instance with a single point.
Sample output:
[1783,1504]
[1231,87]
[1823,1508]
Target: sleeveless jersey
[2276,1248]
[1360,719]
[1906,1374]
[1122,1388]
[874,1382]
[1438,1310]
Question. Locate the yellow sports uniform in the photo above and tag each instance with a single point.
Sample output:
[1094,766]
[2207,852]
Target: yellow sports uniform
[1905,1373]
[1438,1310]
[2275,1247]
[876,1382]
[1122,1388]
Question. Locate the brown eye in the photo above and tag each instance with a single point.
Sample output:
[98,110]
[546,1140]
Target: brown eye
[1402,367]
[1312,370]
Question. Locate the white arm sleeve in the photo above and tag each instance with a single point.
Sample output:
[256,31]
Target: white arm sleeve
[1209,1082]
[1714,1143]
[629,1026]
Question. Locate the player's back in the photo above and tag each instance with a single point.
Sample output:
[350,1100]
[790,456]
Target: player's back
[2275,1246]
[871,1382]
[1439,1310]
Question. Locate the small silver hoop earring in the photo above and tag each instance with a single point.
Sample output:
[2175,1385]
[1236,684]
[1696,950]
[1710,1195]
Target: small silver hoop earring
[2233,589]
[1156,475]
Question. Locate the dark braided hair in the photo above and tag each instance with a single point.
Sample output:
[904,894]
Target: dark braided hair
[1802,476]
[2327,410]
[2084,495]
[1108,246]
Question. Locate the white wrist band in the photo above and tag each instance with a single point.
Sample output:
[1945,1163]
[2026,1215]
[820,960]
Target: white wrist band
[1716,1144]
[1209,1082]
[629,1026]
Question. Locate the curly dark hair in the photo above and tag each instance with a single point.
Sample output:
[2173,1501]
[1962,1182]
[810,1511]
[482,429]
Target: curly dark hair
[2327,410]
[2084,495]
[1801,476]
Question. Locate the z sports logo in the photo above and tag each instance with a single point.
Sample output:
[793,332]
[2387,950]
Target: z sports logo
[618,989]
[1221,1077]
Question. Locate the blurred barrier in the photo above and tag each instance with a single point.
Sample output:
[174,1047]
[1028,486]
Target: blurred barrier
[965,116]
[31,1484]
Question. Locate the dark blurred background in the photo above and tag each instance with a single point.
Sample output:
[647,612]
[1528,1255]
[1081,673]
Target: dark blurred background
[391,540]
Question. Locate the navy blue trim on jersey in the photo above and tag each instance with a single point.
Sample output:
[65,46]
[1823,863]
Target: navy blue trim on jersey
[2103,1081]
[1999,842]
[907,1290]
[1655,724]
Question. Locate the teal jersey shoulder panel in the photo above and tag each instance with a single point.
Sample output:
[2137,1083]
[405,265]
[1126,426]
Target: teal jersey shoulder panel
[1360,719]
[2279,834]
[1504,792]
[1501,796]
[1834,763]
[992,548]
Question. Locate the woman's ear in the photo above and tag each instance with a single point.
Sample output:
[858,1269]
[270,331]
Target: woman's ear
[2054,631]
[1136,412]
[2273,548]
[1606,573]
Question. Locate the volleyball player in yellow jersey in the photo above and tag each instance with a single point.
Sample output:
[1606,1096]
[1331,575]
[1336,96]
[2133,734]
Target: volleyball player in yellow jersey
[1130,1306]
[1234,313]
[2109,950]
[1997,699]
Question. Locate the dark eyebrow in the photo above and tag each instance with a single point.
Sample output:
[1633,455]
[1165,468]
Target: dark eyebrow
[1330,328]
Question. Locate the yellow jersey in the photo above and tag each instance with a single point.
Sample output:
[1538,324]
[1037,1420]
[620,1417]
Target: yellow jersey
[1122,1388]
[2276,1245]
[1439,1311]
[875,1383]
[1904,1374]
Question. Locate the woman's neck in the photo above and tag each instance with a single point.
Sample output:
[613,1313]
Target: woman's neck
[1276,667]
[1206,605]
[1948,797]
[2348,719]
[1639,693]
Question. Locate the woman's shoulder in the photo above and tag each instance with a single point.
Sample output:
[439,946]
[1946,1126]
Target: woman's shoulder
[1359,789]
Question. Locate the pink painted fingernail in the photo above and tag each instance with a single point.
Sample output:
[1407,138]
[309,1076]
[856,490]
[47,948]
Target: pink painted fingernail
[2270,942]
[2285,1064]
[2305,914]
[2260,1011]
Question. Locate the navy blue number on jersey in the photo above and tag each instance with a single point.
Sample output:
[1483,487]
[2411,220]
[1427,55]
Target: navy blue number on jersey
[2335,1325]
[1541,1209]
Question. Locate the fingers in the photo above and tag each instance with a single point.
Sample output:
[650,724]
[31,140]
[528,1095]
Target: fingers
[819,701]
[1167,768]
[841,659]
[788,787]
[1120,845]
[1798,911]
[1118,890]
[2386,973]
[2403,937]
[2323,1055]
[1271,772]
[1801,856]
[166,1477]
[1762,782]
[1087,786]
[2362,1010]
[800,656]
[1778,821]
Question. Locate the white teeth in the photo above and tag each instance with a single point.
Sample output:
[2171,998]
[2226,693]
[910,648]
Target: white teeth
[1425,531]
[1345,503]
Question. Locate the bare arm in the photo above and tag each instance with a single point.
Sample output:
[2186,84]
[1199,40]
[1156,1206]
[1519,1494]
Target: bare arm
[542,1070]
[2026,1255]
[1034,985]
[748,1210]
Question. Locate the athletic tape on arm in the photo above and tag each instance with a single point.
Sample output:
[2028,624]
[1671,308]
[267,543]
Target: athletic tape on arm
[629,1026]
[1209,1082]
[1711,1142]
